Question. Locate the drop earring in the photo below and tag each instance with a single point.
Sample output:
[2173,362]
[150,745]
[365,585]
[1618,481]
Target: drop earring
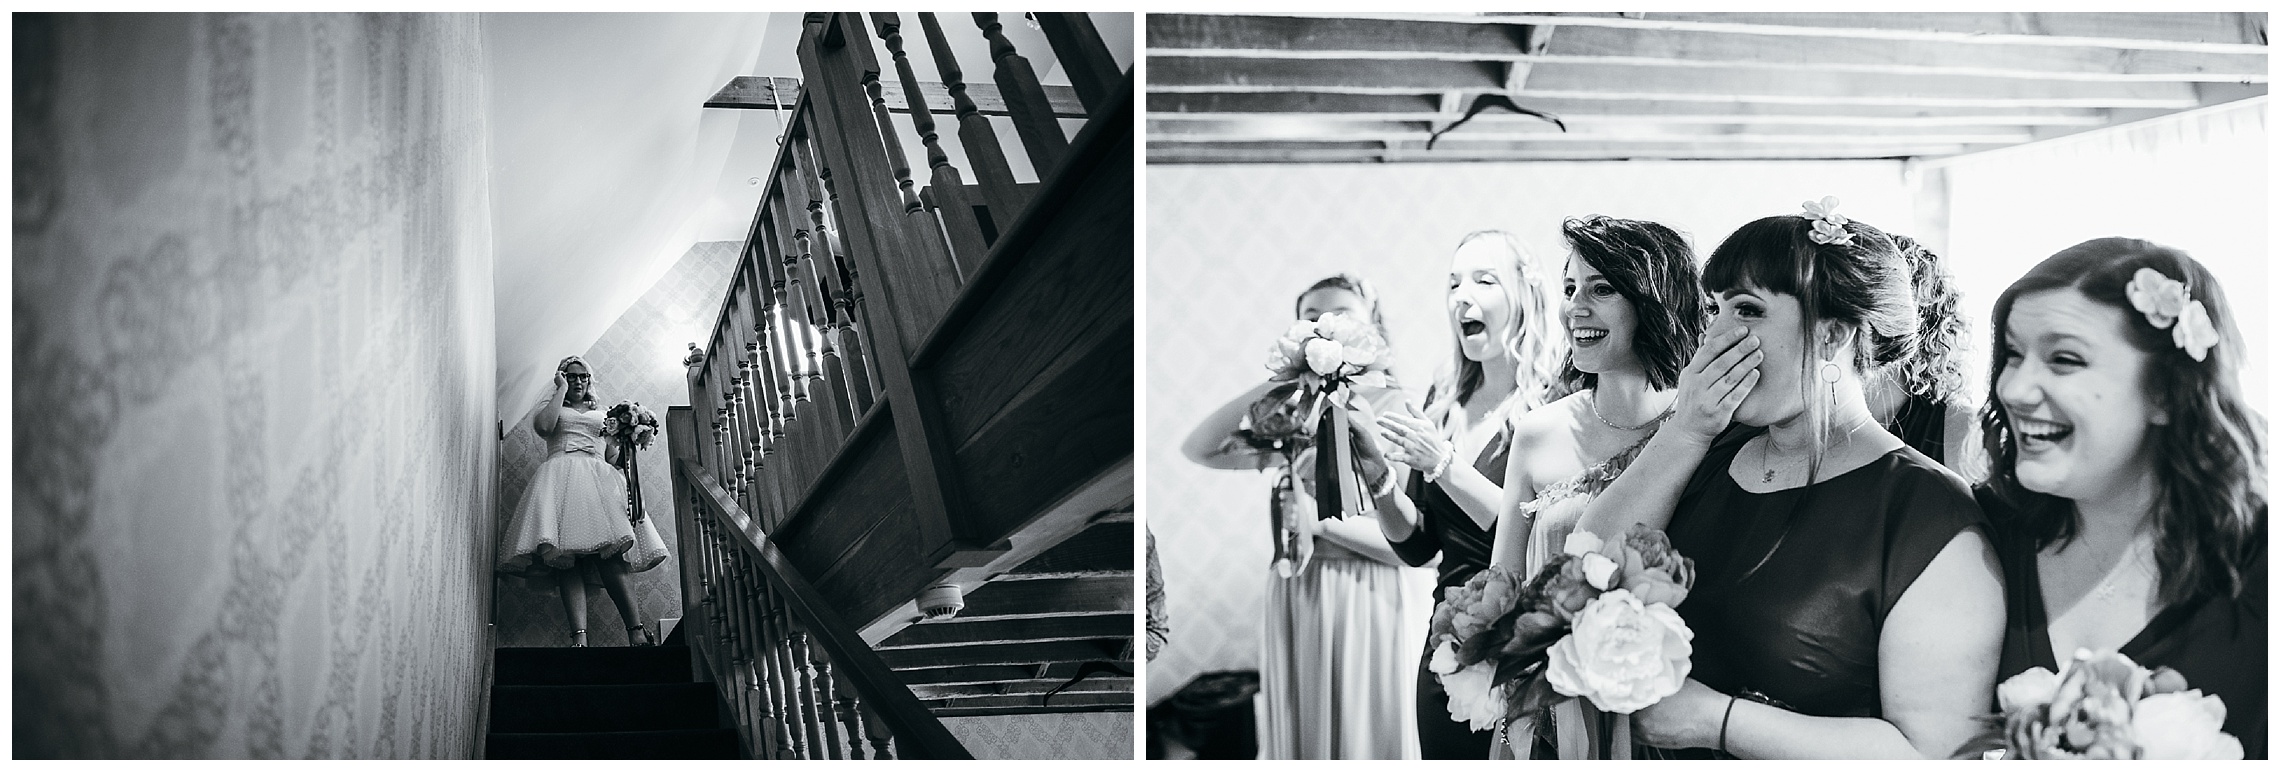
[1829,372]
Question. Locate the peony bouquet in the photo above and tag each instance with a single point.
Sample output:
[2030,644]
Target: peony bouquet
[2103,706]
[1326,359]
[1595,626]
[633,426]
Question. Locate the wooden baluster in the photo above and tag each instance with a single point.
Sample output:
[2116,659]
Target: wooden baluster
[791,381]
[801,248]
[876,730]
[767,718]
[851,327]
[716,368]
[951,206]
[739,481]
[806,666]
[848,709]
[829,418]
[1025,102]
[748,648]
[991,170]
[779,692]
[752,326]
[790,671]
[826,698]
[1091,69]
[732,633]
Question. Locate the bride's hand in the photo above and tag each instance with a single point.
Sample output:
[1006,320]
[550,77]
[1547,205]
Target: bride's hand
[560,382]
[1721,375]
[1688,719]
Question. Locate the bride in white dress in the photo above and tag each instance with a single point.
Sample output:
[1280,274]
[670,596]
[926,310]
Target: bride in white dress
[573,519]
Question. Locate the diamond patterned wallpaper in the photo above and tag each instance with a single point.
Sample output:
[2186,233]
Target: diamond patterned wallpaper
[638,358]
[1045,735]
[1229,247]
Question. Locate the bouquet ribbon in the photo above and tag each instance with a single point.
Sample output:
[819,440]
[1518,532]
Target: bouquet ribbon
[1586,732]
[1338,485]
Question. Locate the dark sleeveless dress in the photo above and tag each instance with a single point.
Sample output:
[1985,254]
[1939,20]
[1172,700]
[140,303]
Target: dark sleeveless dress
[2217,643]
[1801,630]
[1444,529]
[1922,423]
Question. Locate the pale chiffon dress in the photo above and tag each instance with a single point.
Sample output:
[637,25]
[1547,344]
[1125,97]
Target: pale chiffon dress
[576,506]
[1337,675]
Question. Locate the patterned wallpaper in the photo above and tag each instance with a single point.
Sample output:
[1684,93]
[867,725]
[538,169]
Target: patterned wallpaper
[1045,735]
[253,356]
[637,358]
[1229,248]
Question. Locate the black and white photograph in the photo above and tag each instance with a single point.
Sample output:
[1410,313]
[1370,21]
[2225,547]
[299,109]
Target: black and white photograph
[1606,385]
[567,385]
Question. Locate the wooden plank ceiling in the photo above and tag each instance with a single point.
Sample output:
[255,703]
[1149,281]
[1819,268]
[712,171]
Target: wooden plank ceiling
[1051,636]
[1297,88]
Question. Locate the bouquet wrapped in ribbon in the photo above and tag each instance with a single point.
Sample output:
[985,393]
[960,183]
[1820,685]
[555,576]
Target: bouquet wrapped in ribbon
[2103,706]
[1276,427]
[1327,359]
[1591,638]
[633,426]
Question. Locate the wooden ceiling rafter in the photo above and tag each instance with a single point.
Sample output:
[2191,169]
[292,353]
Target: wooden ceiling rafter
[2185,32]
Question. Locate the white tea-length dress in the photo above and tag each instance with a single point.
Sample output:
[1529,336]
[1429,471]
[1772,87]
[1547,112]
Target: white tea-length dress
[576,506]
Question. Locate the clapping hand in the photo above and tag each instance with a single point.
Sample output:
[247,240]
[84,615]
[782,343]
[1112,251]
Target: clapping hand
[1413,442]
[1715,382]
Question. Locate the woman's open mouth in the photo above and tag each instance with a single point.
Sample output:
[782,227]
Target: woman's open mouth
[2038,435]
[1472,327]
[1584,336]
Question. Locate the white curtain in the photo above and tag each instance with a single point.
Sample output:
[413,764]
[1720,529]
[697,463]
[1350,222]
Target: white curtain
[2194,181]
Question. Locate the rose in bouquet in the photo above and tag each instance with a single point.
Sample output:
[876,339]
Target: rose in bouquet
[1596,623]
[2104,706]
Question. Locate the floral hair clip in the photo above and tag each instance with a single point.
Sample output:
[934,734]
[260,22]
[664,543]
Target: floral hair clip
[1828,226]
[2168,305]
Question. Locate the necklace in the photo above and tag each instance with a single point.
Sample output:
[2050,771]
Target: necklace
[2129,563]
[1765,459]
[1612,425]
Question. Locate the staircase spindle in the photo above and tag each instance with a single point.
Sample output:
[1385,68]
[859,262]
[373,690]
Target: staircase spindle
[1025,101]
[944,186]
[826,698]
[882,739]
[805,245]
[806,669]
[1091,69]
[773,612]
[847,707]
[854,327]
[788,668]
[975,133]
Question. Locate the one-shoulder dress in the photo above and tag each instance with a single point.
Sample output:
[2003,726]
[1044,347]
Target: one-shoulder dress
[576,506]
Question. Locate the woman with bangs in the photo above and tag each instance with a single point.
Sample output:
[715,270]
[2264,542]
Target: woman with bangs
[1505,360]
[2128,486]
[1846,603]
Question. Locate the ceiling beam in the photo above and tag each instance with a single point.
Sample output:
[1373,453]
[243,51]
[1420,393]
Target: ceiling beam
[1027,703]
[1104,549]
[1167,105]
[1162,131]
[760,92]
[1003,654]
[1338,152]
[1793,86]
[958,633]
[1586,122]
[2190,32]
[1268,37]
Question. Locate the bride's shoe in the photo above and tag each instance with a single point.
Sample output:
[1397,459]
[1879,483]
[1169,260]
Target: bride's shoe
[577,639]
[648,636]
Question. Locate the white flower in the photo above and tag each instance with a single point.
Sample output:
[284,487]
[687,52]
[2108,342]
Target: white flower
[1471,698]
[1623,655]
[1444,659]
[1825,232]
[1324,356]
[2160,298]
[2194,332]
[2035,687]
[1581,542]
[1826,211]
[1598,570]
[2183,725]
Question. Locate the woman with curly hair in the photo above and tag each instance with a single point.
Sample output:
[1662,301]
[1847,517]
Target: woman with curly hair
[1922,399]
[2128,485]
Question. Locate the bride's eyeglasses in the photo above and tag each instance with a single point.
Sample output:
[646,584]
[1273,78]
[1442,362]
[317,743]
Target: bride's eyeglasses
[576,377]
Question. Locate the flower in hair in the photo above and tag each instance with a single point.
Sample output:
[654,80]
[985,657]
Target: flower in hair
[2194,333]
[1828,226]
[2160,298]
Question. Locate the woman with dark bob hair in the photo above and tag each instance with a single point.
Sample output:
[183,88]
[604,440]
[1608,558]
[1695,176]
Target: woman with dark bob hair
[2128,485]
[1846,601]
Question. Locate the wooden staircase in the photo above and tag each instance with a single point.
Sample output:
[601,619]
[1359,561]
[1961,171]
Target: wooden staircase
[916,382]
[605,703]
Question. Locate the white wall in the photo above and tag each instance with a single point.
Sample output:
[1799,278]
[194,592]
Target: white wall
[1229,248]
[2194,181]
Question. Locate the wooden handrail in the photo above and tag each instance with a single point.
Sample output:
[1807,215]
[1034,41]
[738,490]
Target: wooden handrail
[917,732]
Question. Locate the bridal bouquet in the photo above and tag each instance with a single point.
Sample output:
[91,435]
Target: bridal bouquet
[2103,706]
[1595,626]
[633,426]
[1326,359]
